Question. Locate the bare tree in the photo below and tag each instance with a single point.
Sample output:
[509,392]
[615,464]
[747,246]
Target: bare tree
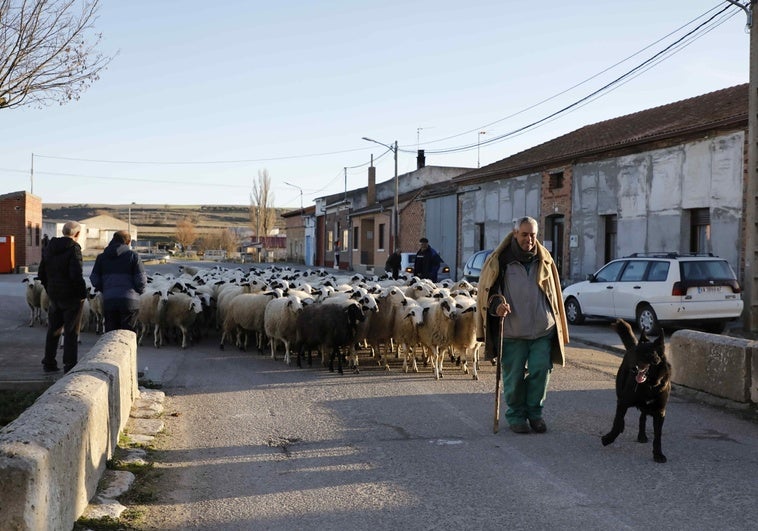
[185,233]
[228,241]
[262,212]
[48,51]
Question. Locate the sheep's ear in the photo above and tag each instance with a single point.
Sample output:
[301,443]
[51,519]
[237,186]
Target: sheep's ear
[445,305]
[425,310]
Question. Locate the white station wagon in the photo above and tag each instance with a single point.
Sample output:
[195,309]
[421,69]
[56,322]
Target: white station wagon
[659,289]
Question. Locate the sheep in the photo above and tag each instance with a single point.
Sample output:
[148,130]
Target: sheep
[368,306]
[280,322]
[328,327]
[97,311]
[464,336]
[148,315]
[246,312]
[33,294]
[438,328]
[405,330]
[380,324]
[179,310]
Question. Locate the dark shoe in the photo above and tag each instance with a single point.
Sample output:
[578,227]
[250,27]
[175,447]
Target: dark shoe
[520,428]
[538,425]
[50,368]
[66,369]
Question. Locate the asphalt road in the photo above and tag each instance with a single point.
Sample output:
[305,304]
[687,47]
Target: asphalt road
[253,444]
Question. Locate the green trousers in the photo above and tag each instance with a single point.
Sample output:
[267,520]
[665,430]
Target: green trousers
[526,369]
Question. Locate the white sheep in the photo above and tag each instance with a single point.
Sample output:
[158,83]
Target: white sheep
[246,314]
[405,331]
[280,322]
[464,337]
[148,315]
[380,323]
[437,330]
[179,310]
[33,295]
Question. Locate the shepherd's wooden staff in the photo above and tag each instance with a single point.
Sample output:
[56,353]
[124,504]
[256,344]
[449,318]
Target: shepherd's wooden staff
[499,374]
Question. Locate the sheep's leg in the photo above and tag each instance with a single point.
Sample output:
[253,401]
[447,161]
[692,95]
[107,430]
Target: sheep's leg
[354,356]
[157,337]
[475,361]
[32,316]
[273,348]
[286,352]
[437,362]
[185,342]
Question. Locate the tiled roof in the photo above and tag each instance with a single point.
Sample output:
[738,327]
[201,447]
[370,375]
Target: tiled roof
[726,107]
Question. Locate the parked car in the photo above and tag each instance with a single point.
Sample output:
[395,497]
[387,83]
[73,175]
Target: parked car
[659,289]
[408,259]
[473,267]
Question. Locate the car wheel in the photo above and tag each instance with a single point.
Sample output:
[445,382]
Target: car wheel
[647,321]
[574,313]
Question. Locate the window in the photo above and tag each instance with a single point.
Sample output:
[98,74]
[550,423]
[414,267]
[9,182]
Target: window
[555,180]
[330,241]
[37,236]
[356,238]
[700,230]
[380,245]
[659,272]
[29,234]
[634,271]
[610,237]
[345,242]
[610,272]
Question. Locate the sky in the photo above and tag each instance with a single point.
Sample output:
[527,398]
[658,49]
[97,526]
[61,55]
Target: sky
[202,97]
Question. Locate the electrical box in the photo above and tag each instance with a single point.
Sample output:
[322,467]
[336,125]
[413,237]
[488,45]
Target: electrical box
[7,254]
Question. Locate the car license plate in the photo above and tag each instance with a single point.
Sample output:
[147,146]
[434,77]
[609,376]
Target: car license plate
[709,289]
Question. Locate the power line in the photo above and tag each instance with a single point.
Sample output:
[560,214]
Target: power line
[640,68]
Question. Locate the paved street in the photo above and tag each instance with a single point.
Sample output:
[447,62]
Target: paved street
[253,444]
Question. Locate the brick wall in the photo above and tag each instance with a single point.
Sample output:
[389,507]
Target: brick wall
[21,217]
[556,201]
[412,225]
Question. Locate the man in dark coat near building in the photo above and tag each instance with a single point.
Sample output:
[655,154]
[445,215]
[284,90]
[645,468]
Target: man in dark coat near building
[119,274]
[60,272]
[427,262]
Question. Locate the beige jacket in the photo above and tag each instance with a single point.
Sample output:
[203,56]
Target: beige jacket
[548,280]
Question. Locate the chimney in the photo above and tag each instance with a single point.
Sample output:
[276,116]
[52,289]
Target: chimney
[371,190]
[420,159]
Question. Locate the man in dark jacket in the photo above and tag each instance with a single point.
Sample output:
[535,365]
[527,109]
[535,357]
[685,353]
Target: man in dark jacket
[427,262]
[60,272]
[119,274]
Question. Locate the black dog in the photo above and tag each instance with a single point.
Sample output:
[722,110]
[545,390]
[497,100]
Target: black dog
[643,381]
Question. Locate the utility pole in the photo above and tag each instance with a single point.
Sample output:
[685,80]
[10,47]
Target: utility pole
[750,281]
[750,293]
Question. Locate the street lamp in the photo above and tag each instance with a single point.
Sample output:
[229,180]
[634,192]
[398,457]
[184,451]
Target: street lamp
[301,194]
[130,221]
[396,215]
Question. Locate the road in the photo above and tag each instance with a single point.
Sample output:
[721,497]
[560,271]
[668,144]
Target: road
[253,444]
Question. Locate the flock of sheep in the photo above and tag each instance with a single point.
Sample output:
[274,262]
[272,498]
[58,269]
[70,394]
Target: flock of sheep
[303,311]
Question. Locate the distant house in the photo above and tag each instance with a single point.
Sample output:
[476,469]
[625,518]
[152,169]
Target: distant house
[301,235]
[100,230]
[53,228]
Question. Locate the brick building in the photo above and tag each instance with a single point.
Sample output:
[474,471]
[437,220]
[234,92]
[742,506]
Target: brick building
[21,217]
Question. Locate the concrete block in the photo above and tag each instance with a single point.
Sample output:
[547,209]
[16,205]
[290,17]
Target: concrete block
[718,365]
[52,456]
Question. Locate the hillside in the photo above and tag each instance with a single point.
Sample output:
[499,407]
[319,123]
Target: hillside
[159,221]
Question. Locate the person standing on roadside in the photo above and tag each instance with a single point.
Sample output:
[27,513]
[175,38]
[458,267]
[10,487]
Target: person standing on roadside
[119,274]
[427,262]
[520,286]
[60,272]
[393,263]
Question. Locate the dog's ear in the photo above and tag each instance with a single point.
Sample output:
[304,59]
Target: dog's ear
[624,330]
